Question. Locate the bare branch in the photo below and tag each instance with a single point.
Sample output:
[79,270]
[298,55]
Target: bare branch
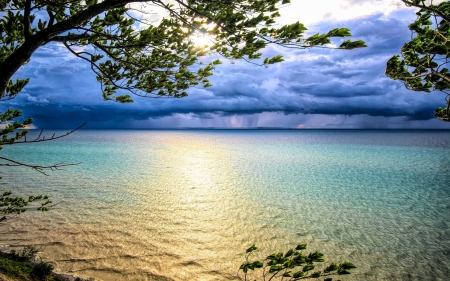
[71,37]
[39,168]
[426,74]
[51,16]
[53,137]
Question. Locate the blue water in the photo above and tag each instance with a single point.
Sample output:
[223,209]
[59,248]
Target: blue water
[183,205]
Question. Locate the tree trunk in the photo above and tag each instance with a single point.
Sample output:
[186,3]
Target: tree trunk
[14,62]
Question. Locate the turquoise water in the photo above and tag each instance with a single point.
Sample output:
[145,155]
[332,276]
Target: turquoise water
[184,205]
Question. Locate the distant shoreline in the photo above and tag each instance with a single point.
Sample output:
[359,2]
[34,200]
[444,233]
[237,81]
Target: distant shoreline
[237,129]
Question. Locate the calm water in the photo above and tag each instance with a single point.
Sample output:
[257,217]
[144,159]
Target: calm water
[184,205]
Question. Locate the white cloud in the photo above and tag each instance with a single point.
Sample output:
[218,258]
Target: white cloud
[34,99]
[309,12]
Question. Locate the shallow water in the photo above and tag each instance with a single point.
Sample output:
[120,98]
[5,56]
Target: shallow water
[184,205]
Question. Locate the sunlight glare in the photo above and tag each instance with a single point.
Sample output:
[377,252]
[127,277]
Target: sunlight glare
[201,37]
[201,40]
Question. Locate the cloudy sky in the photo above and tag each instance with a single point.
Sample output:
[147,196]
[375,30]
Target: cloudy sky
[317,88]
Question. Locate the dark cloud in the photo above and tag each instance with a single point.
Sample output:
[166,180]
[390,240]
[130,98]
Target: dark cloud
[342,74]
[337,89]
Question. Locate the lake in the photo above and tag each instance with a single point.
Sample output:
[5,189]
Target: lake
[185,204]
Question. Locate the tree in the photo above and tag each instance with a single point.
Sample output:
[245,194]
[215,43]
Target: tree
[155,58]
[285,266]
[423,64]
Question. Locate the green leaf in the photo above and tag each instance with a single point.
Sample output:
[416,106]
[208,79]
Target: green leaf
[124,99]
[331,267]
[350,45]
[244,267]
[258,264]
[289,253]
[339,32]
[251,249]
[275,268]
[347,265]
[308,267]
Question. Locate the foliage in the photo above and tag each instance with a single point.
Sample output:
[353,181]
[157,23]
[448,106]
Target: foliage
[8,116]
[423,64]
[442,113]
[42,270]
[13,265]
[292,265]
[28,253]
[15,269]
[129,50]
[17,204]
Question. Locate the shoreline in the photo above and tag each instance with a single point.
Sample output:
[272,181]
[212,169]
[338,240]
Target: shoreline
[5,250]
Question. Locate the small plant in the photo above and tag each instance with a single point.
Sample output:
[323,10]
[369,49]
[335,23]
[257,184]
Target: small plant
[28,253]
[42,270]
[292,265]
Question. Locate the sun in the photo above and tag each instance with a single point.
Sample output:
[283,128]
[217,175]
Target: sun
[201,40]
[201,37]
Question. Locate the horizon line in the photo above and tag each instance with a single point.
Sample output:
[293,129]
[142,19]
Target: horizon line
[231,128]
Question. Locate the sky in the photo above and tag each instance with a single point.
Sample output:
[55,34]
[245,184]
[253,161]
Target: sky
[314,88]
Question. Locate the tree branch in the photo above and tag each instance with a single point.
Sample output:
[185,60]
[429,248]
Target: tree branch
[94,65]
[39,168]
[118,59]
[203,15]
[53,137]
[71,37]
[425,74]
[427,8]
[51,16]
[26,20]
